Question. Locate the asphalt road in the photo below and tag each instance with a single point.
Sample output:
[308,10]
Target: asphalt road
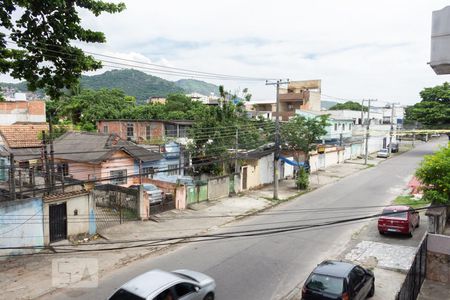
[268,267]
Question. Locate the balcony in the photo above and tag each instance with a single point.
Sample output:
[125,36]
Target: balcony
[290,97]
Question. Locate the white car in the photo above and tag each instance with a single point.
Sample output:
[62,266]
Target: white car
[383,153]
[162,285]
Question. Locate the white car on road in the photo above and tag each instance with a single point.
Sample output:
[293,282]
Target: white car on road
[162,285]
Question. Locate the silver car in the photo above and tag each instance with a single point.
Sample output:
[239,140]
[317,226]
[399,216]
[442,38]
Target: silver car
[162,285]
[383,153]
[155,195]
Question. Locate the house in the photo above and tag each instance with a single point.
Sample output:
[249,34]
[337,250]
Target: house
[258,109]
[100,157]
[45,220]
[23,141]
[170,167]
[208,100]
[303,95]
[340,128]
[22,111]
[256,168]
[156,99]
[147,131]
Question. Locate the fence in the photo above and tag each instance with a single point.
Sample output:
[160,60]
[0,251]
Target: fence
[115,205]
[416,274]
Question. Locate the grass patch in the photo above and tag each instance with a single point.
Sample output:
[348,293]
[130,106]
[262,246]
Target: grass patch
[370,165]
[410,201]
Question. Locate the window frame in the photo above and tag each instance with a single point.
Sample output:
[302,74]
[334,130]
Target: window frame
[119,181]
[130,127]
[172,169]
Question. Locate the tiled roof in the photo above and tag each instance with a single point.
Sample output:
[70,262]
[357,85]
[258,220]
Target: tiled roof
[23,135]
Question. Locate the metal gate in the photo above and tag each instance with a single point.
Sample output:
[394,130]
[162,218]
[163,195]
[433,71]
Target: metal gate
[244,178]
[58,222]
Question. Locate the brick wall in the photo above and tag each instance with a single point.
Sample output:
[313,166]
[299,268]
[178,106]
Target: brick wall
[22,111]
[139,132]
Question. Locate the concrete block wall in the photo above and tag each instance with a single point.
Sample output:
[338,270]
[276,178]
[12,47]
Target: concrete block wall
[438,258]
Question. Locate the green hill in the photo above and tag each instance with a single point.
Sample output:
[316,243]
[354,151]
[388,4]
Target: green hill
[136,83]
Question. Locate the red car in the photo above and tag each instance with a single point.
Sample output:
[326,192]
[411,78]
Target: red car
[398,219]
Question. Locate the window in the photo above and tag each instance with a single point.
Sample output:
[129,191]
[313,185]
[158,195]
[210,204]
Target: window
[105,129]
[172,169]
[148,171]
[148,132]
[63,169]
[124,295]
[335,127]
[184,288]
[167,294]
[324,283]
[343,127]
[183,131]
[349,126]
[130,130]
[170,130]
[118,177]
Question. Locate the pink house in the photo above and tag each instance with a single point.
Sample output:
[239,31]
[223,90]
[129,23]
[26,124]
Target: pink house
[102,158]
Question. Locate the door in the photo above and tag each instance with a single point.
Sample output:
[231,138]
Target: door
[58,222]
[244,178]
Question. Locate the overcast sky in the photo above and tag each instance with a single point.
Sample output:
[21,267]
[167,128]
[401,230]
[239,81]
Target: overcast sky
[360,49]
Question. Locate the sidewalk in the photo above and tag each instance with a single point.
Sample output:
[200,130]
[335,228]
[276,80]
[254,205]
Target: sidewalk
[29,277]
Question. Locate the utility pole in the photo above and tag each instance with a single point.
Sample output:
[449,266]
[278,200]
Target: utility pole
[367,131]
[391,132]
[236,167]
[276,154]
[12,178]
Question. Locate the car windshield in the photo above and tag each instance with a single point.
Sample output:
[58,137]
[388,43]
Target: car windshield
[324,283]
[383,150]
[124,295]
[390,213]
[150,187]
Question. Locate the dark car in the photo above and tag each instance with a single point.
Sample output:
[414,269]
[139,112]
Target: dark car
[394,148]
[338,280]
[398,219]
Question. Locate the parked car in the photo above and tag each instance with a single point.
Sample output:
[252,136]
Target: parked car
[399,219]
[384,153]
[162,285]
[155,195]
[394,148]
[338,280]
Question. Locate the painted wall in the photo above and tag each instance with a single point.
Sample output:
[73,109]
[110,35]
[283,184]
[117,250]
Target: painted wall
[265,165]
[77,222]
[21,225]
[118,161]
[218,187]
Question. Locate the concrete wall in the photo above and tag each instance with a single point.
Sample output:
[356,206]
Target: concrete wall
[440,41]
[438,258]
[320,161]
[218,187]
[21,225]
[22,111]
[80,213]
[288,171]
[265,166]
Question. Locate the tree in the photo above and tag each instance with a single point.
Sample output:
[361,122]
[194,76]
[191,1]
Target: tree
[434,109]
[301,134]
[41,32]
[434,173]
[350,105]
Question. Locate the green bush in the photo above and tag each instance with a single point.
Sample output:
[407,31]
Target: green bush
[302,181]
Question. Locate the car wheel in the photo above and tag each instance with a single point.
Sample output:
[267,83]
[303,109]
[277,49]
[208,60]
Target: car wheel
[381,232]
[372,290]
[410,234]
[210,296]
[418,223]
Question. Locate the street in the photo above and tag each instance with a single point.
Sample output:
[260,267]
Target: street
[269,266]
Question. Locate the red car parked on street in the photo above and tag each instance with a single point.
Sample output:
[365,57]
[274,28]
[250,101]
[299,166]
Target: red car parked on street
[398,219]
